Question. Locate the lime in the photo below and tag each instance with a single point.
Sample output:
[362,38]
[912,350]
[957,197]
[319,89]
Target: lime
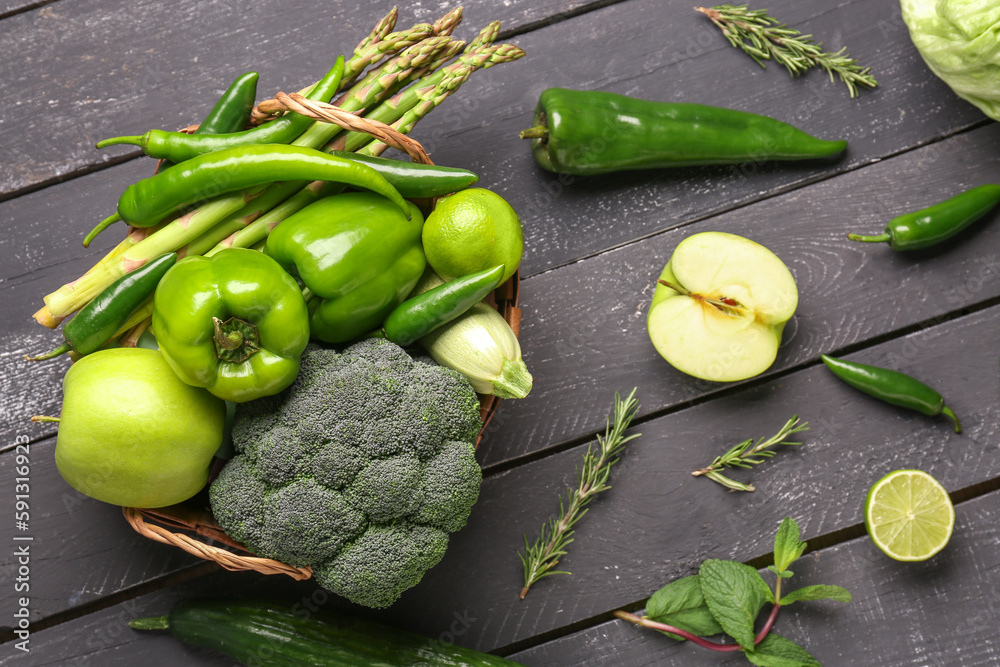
[909,515]
[473,230]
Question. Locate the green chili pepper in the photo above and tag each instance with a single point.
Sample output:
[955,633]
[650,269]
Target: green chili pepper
[936,223]
[230,112]
[892,387]
[147,202]
[356,254]
[232,109]
[179,146]
[594,132]
[96,323]
[415,180]
[421,314]
[234,323]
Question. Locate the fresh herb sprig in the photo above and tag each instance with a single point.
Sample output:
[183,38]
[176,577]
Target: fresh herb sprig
[747,454]
[764,38]
[727,596]
[540,558]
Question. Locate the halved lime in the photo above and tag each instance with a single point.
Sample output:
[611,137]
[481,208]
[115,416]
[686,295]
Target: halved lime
[909,515]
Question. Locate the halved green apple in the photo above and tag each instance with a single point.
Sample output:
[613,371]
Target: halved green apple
[720,306]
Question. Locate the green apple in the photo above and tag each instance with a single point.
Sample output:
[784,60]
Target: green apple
[131,433]
[720,306]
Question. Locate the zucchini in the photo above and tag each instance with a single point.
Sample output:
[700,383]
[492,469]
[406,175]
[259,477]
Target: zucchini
[480,345]
[263,634]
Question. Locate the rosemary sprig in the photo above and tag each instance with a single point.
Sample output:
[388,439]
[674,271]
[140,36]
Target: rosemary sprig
[557,534]
[764,38]
[747,454]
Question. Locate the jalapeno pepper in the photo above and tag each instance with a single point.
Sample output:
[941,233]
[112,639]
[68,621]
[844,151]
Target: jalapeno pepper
[892,387]
[931,225]
[421,314]
[95,324]
[595,132]
[234,323]
[179,146]
[413,179]
[357,254]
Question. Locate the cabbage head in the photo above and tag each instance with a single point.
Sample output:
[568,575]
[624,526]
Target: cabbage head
[960,41]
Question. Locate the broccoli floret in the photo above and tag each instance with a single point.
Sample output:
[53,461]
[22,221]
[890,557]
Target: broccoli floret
[388,489]
[307,522]
[450,487]
[360,469]
[387,559]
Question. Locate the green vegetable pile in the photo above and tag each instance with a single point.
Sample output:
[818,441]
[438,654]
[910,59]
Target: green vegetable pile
[300,183]
[269,227]
[359,470]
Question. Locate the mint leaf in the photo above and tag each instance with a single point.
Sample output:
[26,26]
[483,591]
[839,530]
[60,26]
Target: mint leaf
[734,593]
[776,651]
[836,593]
[787,547]
[682,605]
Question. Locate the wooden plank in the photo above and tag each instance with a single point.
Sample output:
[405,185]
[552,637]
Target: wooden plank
[658,521]
[940,612]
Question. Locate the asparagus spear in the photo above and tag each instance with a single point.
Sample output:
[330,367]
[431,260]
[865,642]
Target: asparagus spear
[429,99]
[406,108]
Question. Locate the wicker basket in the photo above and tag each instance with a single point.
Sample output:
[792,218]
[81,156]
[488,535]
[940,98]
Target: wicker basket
[190,525]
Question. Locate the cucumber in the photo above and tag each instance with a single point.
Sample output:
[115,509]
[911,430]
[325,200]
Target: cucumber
[262,634]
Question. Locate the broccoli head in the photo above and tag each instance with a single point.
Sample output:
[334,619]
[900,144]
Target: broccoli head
[359,469]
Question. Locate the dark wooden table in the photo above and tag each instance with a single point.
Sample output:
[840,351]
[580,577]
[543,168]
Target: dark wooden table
[75,72]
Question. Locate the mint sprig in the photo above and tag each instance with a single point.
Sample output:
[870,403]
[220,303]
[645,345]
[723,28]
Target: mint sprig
[727,597]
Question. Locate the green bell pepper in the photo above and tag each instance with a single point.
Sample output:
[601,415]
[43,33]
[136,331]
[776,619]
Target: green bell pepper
[357,255]
[234,323]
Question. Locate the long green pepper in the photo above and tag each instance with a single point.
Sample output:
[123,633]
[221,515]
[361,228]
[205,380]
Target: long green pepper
[147,202]
[98,321]
[892,387]
[230,112]
[233,107]
[180,146]
[421,314]
[594,132]
[934,224]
